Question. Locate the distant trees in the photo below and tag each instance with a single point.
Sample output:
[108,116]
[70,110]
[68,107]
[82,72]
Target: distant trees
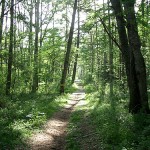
[10,54]
[110,65]
[38,54]
[32,45]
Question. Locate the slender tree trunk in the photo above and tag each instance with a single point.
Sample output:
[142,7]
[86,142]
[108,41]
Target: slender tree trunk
[111,75]
[78,43]
[36,49]
[53,59]
[30,33]
[41,23]
[1,29]
[1,22]
[14,51]
[92,54]
[105,53]
[67,56]
[10,55]
[6,40]
[97,49]
[66,32]
[40,40]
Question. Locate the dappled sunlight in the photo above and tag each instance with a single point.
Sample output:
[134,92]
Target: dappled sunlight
[73,102]
[42,137]
[54,131]
[67,106]
[52,134]
[55,123]
[82,103]
[74,67]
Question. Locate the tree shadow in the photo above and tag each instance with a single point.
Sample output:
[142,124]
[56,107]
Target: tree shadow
[15,126]
[141,130]
[10,138]
[54,132]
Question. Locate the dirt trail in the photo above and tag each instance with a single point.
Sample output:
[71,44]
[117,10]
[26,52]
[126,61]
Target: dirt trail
[52,137]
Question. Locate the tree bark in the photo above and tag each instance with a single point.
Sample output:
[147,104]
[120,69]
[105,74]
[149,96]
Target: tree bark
[10,55]
[36,49]
[67,56]
[138,99]
[30,32]
[135,44]
[111,74]
[1,28]
[78,43]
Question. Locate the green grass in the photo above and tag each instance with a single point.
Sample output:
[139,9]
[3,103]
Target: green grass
[24,114]
[117,129]
[73,131]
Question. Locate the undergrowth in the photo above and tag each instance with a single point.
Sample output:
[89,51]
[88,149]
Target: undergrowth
[23,114]
[119,130]
[116,127]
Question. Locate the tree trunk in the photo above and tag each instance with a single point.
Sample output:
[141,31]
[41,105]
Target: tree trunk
[136,102]
[67,56]
[135,44]
[1,28]
[111,74]
[10,55]
[30,32]
[36,49]
[78,43]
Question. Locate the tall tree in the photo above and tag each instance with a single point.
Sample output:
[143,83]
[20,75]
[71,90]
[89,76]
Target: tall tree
[10,55]
[134,62]
[30,30]
[36,48]
[110,55]
[78,43]
[67,56]
[1,27]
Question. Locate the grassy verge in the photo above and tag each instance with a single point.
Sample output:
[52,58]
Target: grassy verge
[119,129]
[111,126]
[78,126]
[24,114]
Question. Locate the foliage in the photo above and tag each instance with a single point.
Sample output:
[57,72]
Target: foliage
[24,114]
[112,124]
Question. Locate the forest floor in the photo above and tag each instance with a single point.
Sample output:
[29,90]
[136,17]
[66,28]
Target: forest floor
[54,133]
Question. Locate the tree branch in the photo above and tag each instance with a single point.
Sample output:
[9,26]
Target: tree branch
[12,6]
[109,34]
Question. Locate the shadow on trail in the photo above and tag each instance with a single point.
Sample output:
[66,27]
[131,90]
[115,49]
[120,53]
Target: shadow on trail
[13,121]
[87,130]
[54,132]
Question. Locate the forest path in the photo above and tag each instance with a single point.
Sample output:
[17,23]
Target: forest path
[54,133]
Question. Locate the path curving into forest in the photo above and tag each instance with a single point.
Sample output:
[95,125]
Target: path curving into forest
[54,133]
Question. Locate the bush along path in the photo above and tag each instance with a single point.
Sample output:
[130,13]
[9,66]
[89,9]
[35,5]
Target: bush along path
[53,135]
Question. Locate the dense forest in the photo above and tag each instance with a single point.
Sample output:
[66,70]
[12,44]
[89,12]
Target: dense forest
[51,48]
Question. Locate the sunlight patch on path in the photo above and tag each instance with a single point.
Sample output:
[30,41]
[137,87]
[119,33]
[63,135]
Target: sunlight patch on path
[82,103]
[54,131]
